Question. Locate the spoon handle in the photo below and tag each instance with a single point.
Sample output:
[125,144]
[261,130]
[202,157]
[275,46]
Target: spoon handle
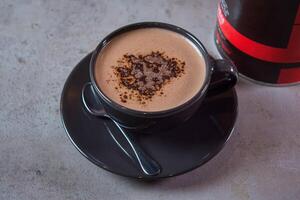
[147,164]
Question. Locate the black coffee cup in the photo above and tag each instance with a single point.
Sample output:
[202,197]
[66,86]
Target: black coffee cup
[220,76]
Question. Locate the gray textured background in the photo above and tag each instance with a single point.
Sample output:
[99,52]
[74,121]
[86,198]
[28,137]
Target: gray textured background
[41,41]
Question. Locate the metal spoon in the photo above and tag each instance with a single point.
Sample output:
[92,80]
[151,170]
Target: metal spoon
[147,165]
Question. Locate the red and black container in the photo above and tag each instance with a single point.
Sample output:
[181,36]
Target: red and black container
[262,38]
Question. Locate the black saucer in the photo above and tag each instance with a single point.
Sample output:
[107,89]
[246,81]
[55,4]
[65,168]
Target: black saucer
[177,151]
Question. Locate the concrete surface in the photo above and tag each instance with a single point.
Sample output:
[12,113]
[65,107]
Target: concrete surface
[41,41]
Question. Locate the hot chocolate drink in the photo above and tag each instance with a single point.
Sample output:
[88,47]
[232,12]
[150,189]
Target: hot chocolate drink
[150,69]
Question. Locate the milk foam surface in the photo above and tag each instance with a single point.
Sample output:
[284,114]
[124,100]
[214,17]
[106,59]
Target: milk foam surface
[142,42]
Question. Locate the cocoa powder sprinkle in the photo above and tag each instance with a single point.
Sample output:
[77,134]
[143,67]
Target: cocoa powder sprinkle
[145,75]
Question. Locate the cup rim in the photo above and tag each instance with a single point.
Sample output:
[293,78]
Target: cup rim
[202,91]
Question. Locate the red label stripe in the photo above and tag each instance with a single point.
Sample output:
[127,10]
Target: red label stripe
[289,75]
[258,50]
